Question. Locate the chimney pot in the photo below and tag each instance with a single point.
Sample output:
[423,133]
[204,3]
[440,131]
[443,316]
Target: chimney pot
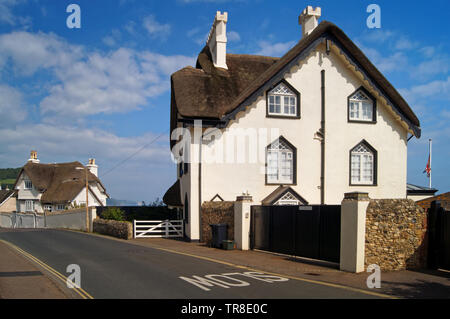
[33,157]
[92,167]
[308,19]
[217,40]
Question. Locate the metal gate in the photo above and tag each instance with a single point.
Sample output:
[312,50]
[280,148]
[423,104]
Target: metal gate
[307,231]
[439,236]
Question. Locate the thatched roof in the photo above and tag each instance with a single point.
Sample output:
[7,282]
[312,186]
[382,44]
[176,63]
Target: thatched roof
[173,195]
[59,183]
[207,92]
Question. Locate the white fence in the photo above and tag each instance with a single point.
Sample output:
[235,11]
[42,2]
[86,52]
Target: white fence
[157,228]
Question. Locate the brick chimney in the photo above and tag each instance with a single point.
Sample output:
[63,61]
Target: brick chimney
[217,40]
[92,167]
[33,157]
[309,19]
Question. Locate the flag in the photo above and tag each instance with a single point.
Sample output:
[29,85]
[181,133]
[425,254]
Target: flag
[428,167]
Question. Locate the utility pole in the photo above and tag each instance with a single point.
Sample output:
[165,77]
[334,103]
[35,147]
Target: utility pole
[430,160]
[87,200]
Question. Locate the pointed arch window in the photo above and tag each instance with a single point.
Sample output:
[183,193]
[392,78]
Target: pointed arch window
[283,100]
[361,106]
[281,162]
[363,165]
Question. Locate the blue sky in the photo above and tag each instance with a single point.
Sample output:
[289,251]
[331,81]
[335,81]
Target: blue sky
[103,90]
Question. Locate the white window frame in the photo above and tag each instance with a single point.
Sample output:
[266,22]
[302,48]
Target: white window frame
[361,107]
[28,184]
[284,154]
[48,208]
[29,206]
[362,156]
[277,97]
[60,207]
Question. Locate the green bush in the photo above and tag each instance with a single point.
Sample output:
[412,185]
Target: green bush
[113,213]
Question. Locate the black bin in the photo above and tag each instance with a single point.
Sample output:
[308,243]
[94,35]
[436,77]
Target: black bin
[219,234]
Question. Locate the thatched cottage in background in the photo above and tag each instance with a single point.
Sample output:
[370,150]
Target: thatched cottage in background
[55,187]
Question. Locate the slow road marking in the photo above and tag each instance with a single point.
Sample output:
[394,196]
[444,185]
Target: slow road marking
[228,280]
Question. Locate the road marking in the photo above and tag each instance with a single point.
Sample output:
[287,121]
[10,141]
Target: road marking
[370,293]
[80,291]
[226,280]
[376,294]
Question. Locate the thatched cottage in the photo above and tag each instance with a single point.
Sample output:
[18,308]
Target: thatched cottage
[54,187]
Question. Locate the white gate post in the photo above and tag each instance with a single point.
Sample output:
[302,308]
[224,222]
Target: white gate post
[353,231]
[167,227]
[134,228]
[242,207]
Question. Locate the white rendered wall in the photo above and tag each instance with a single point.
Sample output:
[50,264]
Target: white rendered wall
[387,136]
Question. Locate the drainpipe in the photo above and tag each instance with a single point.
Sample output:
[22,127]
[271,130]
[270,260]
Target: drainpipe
[200,189]
[322,141]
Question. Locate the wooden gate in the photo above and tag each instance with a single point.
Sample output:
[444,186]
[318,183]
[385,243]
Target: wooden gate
[306,231]
[439,236]
[157,228]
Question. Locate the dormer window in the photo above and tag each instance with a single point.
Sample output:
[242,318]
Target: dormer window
[283,101]
[361,107]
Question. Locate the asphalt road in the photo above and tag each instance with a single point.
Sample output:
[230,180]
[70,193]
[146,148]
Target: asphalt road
[115,269]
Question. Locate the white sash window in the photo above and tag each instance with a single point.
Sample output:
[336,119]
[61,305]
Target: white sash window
[360,107]
[280,163]
[362,165]
[29,205]
[282,101]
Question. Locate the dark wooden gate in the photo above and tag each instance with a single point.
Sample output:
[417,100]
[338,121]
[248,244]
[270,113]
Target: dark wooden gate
[306,231]
[439,236]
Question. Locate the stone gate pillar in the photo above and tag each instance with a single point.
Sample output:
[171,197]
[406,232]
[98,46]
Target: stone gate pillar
[353,231]
[242,221]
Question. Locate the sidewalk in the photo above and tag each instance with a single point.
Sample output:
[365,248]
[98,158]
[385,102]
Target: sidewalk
[403,284]
[21,279]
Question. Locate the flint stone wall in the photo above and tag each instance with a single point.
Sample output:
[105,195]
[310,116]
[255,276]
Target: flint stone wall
[396,234]
[123,230]
[217,213]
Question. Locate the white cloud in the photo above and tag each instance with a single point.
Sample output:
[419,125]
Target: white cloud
[156,29]
[11,107]
[438,90]
[274,49]
[30,52]
[8,17]
[85,82]
[233,36]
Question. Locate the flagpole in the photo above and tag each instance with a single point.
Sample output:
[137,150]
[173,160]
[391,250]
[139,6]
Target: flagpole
[430,143]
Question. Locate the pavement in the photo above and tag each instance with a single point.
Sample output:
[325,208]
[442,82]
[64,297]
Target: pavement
[152,268]
[21,279]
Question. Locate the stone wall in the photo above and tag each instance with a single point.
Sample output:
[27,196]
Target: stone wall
[217,213]
[396,232]
[123,230]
